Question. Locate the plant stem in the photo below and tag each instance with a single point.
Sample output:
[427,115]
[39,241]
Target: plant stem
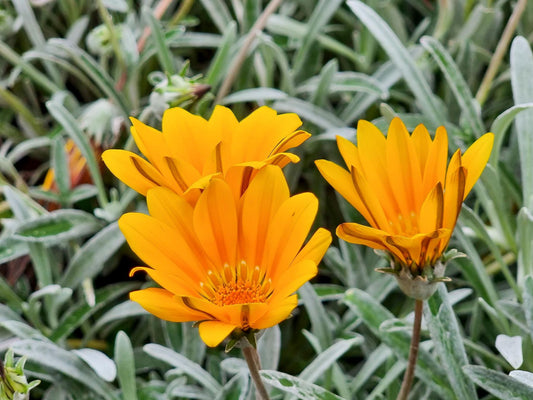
[241,56]
[413,353]
[501,50]
[254,365]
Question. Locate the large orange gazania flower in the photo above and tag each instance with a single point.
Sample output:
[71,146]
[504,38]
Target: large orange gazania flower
[190,150]
[404,187]
[230,265]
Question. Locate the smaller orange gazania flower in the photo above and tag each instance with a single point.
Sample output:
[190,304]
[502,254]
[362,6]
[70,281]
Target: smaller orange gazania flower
[407,191]
[77,166]
[231,265]
[190,150]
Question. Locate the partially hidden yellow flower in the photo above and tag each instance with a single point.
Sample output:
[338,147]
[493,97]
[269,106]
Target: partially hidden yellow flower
[229,264]
[405,188]
[190,150]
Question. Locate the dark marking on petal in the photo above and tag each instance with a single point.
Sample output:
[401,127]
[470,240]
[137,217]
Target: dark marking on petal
[176,173]
[141,171]
[188,303]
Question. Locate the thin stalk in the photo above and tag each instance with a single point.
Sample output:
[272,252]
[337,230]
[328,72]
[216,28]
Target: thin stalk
[113,36]
[500,52]
[159,10]
[413,353]
[241,56]
[254,365]
[183,10]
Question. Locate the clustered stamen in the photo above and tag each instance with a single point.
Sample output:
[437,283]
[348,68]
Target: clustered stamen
[237,285]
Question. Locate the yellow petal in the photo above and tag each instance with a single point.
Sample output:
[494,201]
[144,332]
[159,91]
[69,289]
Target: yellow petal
[288,230]
[368,236]
[266,193]
[369,159]
[215,223]
[266,124]
[189,137]
[437,159]
[150,141]
[376,214]
[179,173]
[131,169]
[160,246]
[177,283]
[290,279]
[432,210]
[165,305]
[422,142]
[453,195]
[475,159]
[214,332]
[404,168]
[290,141]
[415,248]
[276,313]
[316,247]
[349,153]
[341,181]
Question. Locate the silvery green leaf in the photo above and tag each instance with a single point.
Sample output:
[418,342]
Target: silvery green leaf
[99,362]
[510,347]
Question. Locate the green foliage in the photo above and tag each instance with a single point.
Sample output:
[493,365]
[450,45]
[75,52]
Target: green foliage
[76,70]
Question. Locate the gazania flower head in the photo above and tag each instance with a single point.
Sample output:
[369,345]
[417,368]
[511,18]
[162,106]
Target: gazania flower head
[232,266]
[77,166]
[190,150]
[410,195]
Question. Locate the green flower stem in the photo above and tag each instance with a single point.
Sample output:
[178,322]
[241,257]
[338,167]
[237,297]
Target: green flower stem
[413,353]
[254,365]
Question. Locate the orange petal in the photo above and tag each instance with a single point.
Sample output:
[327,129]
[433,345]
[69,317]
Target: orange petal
[435,169]
[415,248]
[189,137]
[290,279]
[341,181]
[290,141]
[180,173]
[404,168]
[276,313]
[177,283]
[315,248]
[165,305]
[215,223]
[266,193]
[371,152]
[453,195]
[214,332]
[288,230]
[349,153]
[160,246]
[432,210]
[260,134]
[475,159]
[421,142]
[150,141]
[368,236]
[365,190]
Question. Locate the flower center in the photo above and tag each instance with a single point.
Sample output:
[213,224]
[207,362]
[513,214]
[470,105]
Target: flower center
[236,285]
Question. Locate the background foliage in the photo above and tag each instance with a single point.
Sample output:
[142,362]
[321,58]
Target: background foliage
[75,70]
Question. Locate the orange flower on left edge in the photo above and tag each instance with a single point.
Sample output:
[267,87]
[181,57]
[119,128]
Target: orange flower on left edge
[77,166]
[231,265]
[190,150]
